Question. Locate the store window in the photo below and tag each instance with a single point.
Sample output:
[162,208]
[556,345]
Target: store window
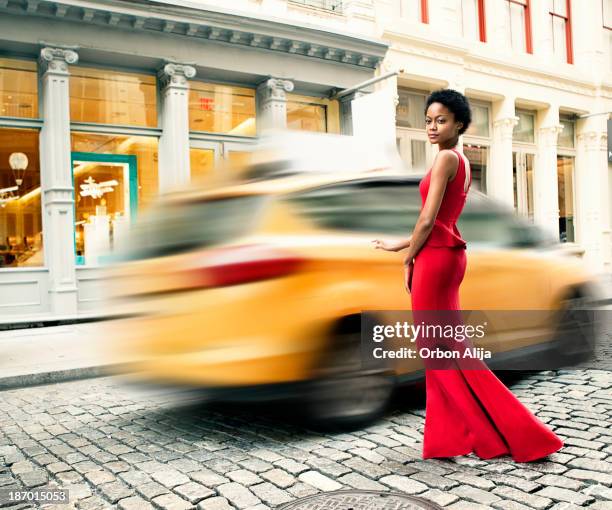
[565,179]
[21,238]
[561,27]
[517,17]
[524,131]
[565,186]
[202,163]
[112,97]
[18,89]
[474,20]
[115,177]
[306,113]
[415,10]
[522,177]
[217,108]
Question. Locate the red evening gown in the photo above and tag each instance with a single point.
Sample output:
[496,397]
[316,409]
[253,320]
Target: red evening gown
[466,410]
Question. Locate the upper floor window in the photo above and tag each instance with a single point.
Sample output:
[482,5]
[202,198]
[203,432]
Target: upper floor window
[221,109]
[566,137]
[561,26]
[327,5]
[518,24]
[480,120]
[18,88]
[112,97]
[416,10]
[524,131]
[474,21]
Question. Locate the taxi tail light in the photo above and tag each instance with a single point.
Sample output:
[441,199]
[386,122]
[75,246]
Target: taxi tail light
[247,264]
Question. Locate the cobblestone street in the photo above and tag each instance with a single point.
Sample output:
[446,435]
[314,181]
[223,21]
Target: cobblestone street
[116,447]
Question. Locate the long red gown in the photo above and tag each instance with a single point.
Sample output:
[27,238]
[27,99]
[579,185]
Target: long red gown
[466,410]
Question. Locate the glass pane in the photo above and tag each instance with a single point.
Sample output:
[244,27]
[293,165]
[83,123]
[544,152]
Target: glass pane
[515,183]
[524,130]
[470,19]
[477,156]
[566,137]
[143,147]
[517,27]
[221,109]
[202,163]
[565,183]
[21,238]
[480,121]
[410,9]
[607,13]
[529,176]
[304,116]
[102,209]
[410,109]
[559,7]
[418,155]
[369,207]
[18,89]
[111,97]
[559,39]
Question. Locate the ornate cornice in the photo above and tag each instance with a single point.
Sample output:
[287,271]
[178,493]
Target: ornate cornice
[175,75]
[207,23]
[56,60]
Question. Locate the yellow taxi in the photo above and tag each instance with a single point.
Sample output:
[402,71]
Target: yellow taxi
[257,289]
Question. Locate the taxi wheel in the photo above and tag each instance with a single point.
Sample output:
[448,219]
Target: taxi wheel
[576,331]
[346,395]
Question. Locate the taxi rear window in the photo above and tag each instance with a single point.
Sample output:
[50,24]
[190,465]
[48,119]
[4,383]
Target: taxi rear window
[169,229]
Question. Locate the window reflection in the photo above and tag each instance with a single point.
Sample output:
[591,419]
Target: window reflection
[18,89]
[21,238]
[112,97]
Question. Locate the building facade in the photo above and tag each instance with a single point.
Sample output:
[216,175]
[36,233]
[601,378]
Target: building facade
[539,77]
[106,104]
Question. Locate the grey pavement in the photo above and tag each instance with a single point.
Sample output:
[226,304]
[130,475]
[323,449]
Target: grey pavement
[114,446]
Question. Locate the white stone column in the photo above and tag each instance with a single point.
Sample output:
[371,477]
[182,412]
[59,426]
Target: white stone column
[499,173]
[545,181]
[272,104]
[56,179]
[174,167]
[592,203]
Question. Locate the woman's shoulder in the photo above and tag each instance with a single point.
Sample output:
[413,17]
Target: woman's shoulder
[446,162]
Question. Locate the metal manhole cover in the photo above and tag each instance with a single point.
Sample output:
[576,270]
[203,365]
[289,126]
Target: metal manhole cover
[360,500]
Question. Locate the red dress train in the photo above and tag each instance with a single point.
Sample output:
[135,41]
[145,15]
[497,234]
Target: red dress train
[466,410]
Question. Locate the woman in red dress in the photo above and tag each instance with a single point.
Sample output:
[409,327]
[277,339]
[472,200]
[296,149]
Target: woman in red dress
[466,410]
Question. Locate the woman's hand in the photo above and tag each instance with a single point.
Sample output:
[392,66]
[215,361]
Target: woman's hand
[380,244]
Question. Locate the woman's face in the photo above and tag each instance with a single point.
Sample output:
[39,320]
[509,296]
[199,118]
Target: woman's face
[440,124]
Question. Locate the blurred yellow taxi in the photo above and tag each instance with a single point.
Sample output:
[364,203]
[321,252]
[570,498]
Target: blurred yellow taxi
[257,289]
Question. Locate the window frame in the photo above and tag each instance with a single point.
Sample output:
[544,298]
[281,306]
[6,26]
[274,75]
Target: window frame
[603,16]
[569,50]
[526,4]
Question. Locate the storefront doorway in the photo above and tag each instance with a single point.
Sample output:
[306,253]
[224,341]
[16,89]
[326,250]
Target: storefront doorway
[105,202]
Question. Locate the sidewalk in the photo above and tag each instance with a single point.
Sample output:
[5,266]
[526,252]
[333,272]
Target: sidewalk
[51,354]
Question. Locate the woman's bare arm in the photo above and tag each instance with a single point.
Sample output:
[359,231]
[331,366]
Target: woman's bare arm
[444,168]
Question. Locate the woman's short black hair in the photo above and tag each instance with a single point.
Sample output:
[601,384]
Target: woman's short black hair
[456,102]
